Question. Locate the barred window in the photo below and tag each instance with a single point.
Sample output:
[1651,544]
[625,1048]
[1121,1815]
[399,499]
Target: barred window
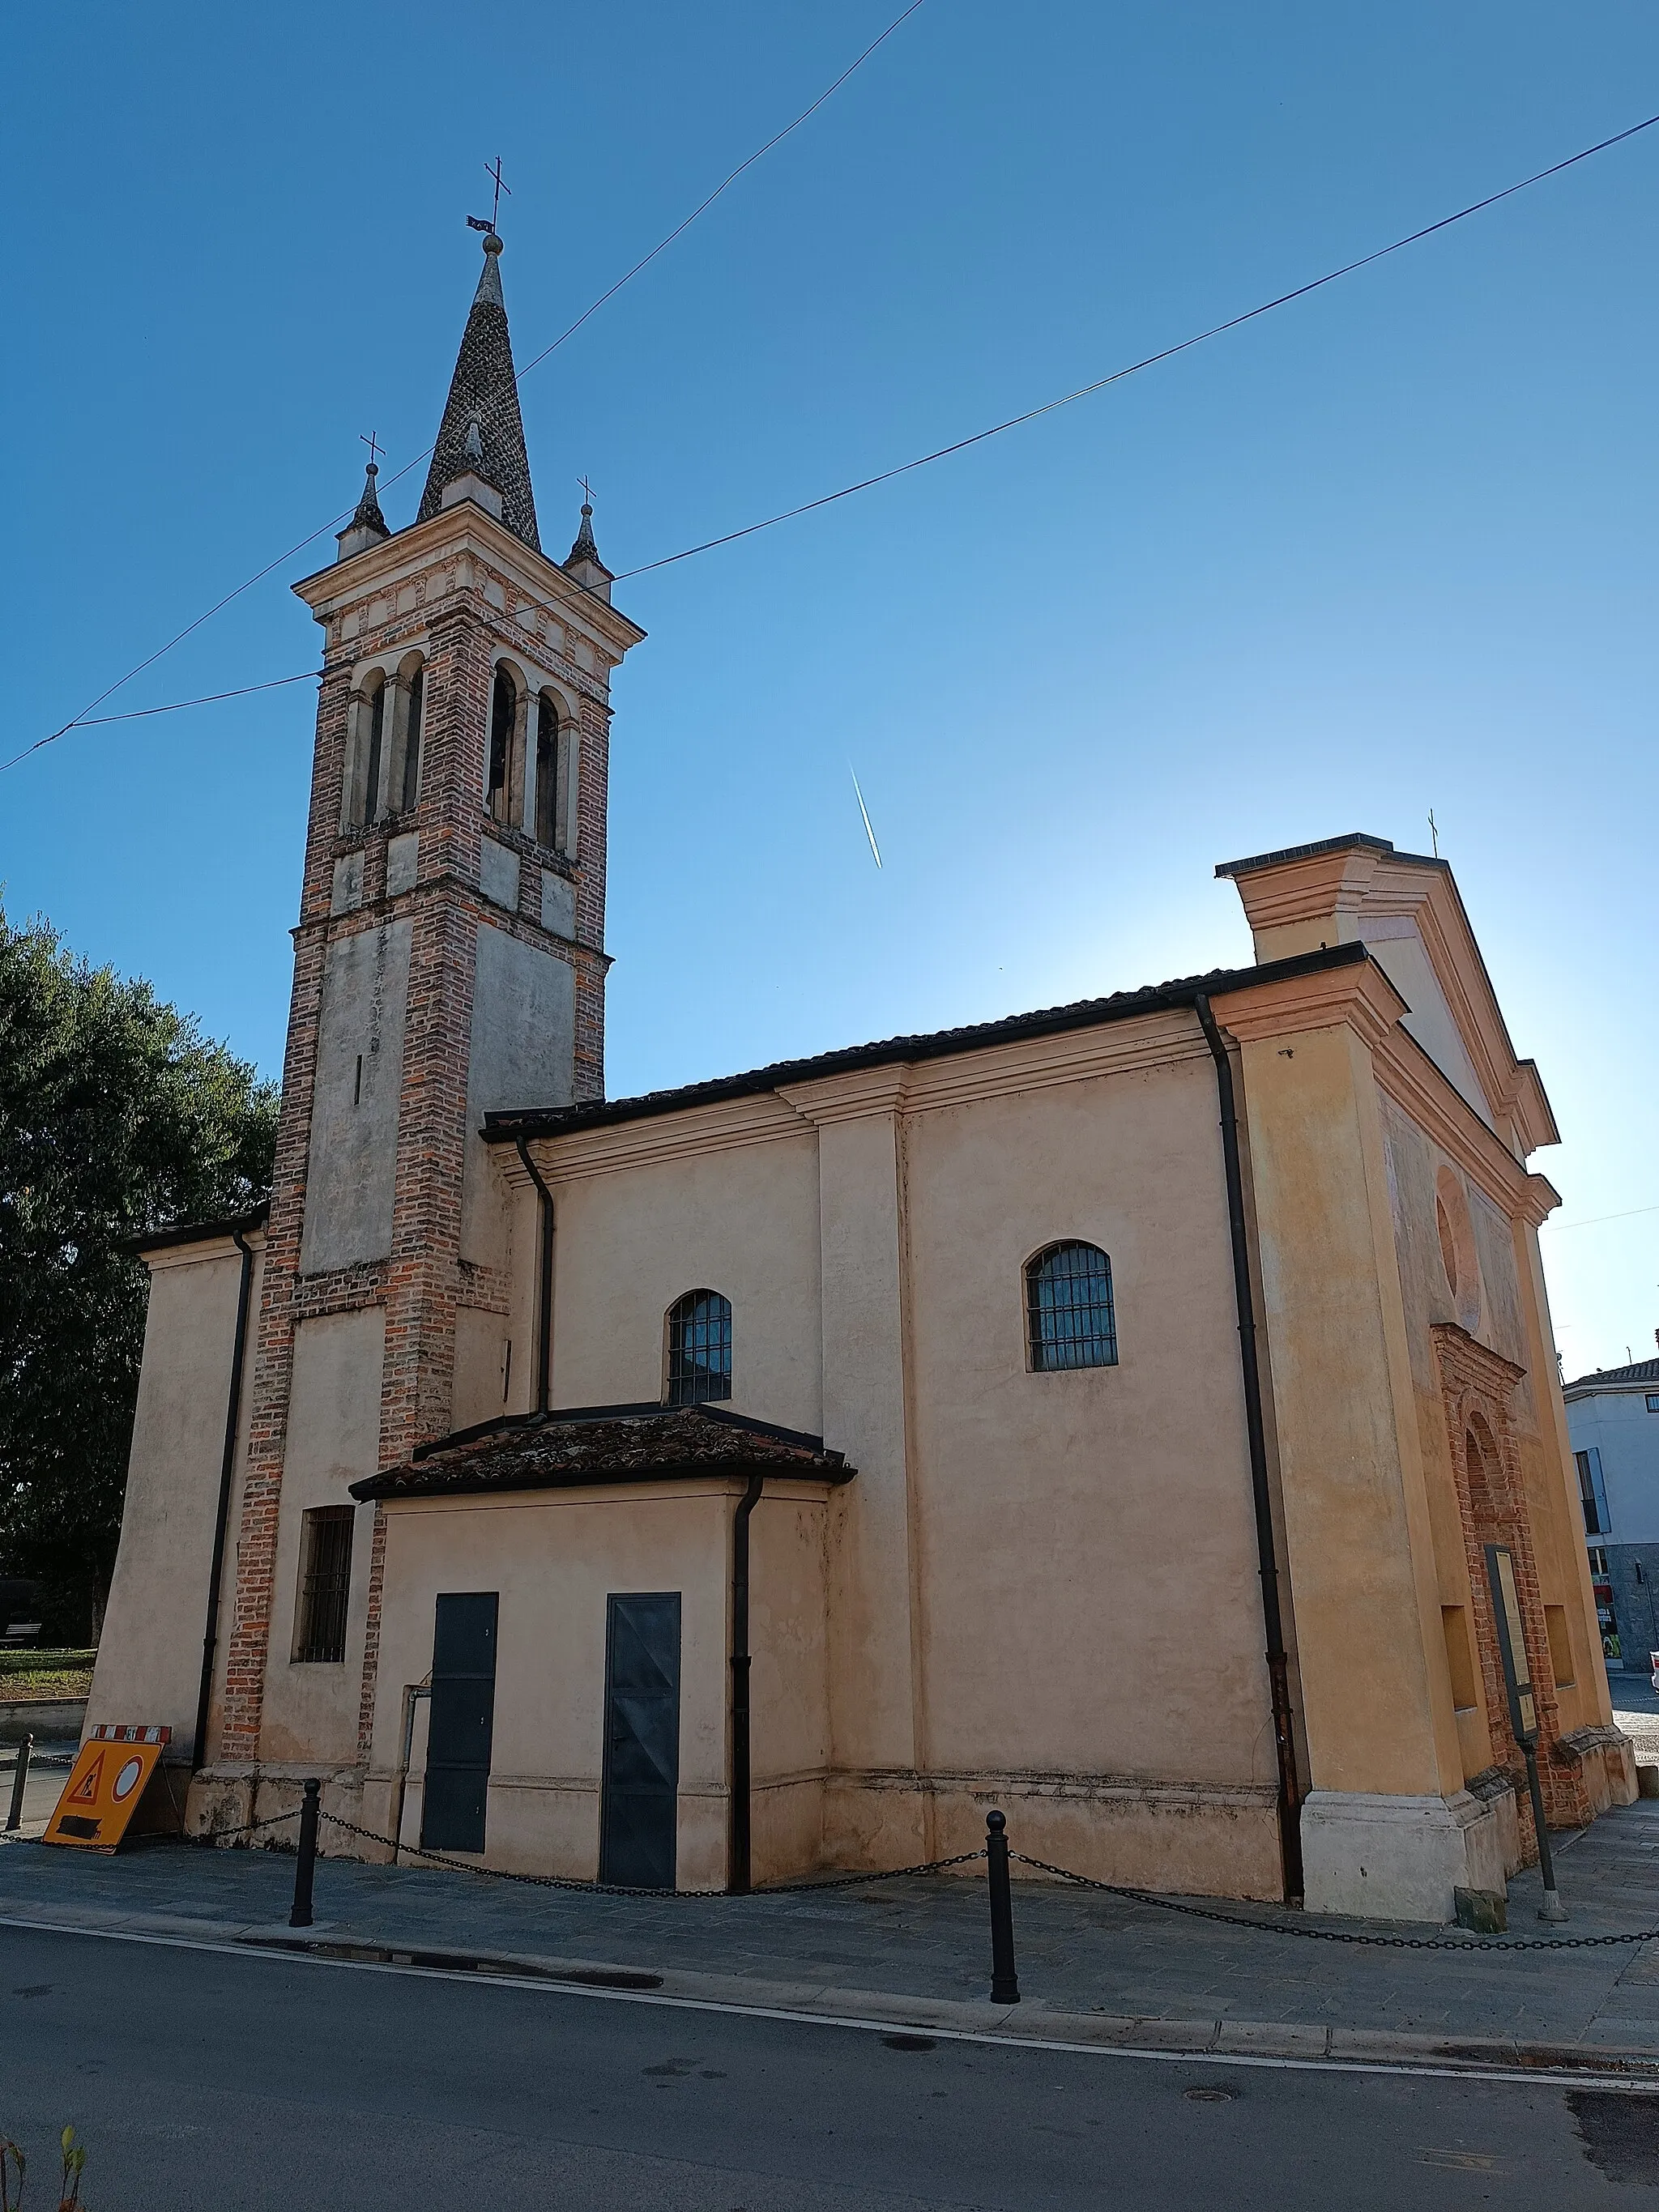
[325,1584]
[699,1348]
[1068,1308]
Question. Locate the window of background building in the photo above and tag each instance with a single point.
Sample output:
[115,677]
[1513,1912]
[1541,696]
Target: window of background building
[325,1584]
[1068,1308]
[699,1348]
[1592,1493]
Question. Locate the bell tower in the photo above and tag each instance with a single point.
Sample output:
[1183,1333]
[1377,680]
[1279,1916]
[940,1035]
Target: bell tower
[449,958]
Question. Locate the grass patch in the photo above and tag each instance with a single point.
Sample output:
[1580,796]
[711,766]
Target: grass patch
[46,1673]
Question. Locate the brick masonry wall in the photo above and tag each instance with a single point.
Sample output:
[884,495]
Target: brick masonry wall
[460,625]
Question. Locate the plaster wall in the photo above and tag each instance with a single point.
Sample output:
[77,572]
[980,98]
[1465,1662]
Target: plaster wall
[554,1558]
[1085,1541]
[352,1175]
[743,1222]
[333,1440]
[1500,1309]
[1350,1454]
[523,1047]
[1396,946]
[149,1655]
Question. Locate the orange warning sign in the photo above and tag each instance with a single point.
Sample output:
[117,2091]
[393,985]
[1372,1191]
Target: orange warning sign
[103,1790]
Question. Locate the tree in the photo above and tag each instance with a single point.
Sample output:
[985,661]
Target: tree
[116,1117]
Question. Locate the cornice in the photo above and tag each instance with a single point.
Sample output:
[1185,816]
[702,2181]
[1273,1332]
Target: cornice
[1361,996]
[194,1255]
[1457,1349]
[615,1148]
[1406,1073]
[453,532]
[854,1096]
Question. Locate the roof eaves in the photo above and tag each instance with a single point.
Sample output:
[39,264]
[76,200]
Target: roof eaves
[199,1232]
[505,1127]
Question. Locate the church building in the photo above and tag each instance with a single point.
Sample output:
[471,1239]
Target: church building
[1103,1413]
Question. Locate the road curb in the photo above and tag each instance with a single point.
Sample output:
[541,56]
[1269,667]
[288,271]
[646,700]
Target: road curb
[1033,2021]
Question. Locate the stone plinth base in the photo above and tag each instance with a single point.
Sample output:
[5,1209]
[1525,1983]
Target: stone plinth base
[1379,1857]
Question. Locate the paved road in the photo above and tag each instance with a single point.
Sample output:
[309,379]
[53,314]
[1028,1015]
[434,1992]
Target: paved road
[204,2082]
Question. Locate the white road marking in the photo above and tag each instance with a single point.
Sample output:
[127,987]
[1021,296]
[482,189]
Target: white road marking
[547,1985]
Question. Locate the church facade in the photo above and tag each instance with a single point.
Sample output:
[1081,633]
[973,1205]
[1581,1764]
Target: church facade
[774,1473]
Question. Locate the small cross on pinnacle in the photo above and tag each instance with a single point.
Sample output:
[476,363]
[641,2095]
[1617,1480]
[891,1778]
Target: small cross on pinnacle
[587,492]
[1434,832]
[375,449]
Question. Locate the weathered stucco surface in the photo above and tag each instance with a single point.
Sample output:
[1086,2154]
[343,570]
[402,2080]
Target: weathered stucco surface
[149,1655]
[333,1439]
[354,1127]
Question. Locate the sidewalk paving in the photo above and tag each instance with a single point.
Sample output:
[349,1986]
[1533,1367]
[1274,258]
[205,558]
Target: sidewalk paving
[916,1950]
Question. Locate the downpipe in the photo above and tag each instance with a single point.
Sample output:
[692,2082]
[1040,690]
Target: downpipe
[544,1286]
[226,1473]
[740,1831]
[1279,1671]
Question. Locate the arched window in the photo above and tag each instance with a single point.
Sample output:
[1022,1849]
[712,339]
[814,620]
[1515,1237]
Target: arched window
[548,795]
[699,1348]
[376,745]
[365,742]
[409,797]
[1068,1308]
[503,732]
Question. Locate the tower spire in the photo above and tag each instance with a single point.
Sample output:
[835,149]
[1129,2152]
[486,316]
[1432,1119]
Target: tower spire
[480,448]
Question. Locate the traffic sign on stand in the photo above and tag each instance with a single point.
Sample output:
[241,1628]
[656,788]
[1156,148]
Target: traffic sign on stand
[109,1777]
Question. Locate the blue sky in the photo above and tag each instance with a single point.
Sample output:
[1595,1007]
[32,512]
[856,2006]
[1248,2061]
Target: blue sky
[1388,548]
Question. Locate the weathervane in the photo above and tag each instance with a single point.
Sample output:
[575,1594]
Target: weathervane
[476,221]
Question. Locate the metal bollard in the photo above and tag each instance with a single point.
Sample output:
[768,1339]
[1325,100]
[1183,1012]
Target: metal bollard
[300,1915]
[1005,1982]
[25,1751]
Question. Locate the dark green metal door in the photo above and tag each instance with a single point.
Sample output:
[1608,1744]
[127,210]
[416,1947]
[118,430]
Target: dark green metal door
[461,1723]
[639,1798]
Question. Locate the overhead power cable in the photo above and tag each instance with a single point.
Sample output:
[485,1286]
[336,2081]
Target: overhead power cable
[337,521]
[939,452]
[1150,361]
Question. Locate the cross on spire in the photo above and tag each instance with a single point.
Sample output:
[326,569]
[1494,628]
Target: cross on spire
[495,210]
[492,170]
[375,449]
[587,491]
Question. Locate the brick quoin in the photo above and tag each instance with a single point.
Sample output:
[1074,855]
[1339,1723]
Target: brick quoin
[454,614]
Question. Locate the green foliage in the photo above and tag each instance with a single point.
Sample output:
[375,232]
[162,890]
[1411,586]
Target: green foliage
[116,1117]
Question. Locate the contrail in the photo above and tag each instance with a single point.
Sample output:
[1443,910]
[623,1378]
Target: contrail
[865,811]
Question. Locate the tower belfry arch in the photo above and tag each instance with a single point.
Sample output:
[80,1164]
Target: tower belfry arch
[449,958]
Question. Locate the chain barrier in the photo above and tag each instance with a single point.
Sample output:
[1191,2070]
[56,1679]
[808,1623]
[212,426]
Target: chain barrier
[1338,1934]
[621,1889]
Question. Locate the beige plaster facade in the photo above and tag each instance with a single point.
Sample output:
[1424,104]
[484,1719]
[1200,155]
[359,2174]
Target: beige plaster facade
[1040,1590]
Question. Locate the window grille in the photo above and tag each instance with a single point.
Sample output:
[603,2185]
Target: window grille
[699,1348]
[325,1584]
[1068,1308]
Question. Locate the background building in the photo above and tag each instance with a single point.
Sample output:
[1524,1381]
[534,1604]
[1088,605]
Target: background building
[1613,1418]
